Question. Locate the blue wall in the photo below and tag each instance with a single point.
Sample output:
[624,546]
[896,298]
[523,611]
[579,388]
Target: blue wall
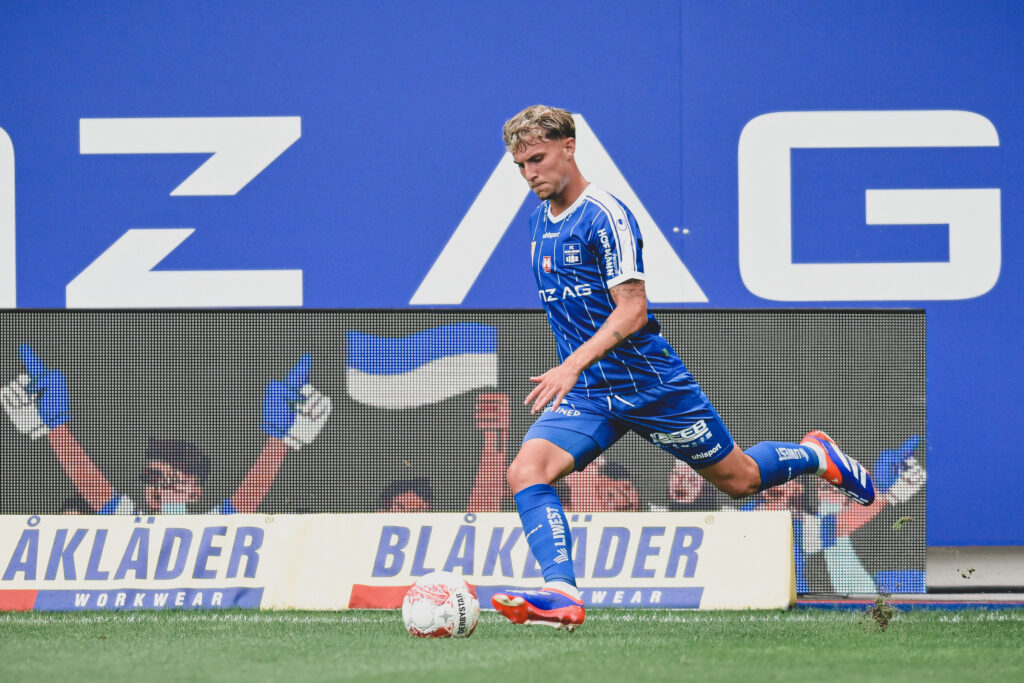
[401,107]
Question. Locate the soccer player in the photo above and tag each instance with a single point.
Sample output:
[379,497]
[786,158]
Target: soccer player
[616,372]
[38,405]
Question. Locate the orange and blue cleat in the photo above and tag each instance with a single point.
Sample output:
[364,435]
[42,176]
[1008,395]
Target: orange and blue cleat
[544,607]
[842,471]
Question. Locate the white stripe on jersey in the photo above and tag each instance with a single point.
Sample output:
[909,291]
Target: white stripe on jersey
[646,360]
[616,216]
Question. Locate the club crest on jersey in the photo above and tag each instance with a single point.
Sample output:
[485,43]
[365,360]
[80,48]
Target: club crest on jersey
[545,263]
[571,254]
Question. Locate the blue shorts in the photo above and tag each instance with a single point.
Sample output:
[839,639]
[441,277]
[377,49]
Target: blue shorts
[676,416]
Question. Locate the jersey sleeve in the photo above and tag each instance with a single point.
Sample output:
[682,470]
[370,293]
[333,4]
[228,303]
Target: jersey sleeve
[226,507]
[616,239]
[117,505]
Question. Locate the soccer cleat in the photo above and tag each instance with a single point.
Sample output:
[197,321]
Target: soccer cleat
[842,471]
[545,607]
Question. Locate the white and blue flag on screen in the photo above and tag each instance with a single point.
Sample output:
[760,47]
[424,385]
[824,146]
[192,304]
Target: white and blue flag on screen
[423,368]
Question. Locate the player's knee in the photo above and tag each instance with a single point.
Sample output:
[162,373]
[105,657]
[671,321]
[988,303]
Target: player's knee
[520,475]
[523,472]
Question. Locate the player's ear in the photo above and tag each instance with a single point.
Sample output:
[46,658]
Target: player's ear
[570,147]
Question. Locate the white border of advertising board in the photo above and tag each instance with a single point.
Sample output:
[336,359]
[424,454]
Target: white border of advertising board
[719,560]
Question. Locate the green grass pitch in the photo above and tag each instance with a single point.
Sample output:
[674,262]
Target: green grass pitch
[613,645]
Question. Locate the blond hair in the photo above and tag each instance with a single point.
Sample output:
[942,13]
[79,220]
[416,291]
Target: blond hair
[536,124]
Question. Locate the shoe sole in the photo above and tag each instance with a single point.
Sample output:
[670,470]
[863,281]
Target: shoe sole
[517,610]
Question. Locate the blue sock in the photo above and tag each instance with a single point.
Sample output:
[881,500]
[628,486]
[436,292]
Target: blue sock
[780,461]
[547,531]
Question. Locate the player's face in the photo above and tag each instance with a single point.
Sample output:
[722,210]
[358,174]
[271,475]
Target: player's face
[408,502]
[592,491]
[786,496]
[619,495]
[684,484]
[547,165]
[166,485]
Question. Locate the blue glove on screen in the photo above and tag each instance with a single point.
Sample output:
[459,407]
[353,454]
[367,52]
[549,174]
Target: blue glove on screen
[293,410]
[891,464]
[280,397]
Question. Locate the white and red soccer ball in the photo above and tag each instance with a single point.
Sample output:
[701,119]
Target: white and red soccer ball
[440,605]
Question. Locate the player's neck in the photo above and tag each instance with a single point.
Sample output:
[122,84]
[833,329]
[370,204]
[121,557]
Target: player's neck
[568,196]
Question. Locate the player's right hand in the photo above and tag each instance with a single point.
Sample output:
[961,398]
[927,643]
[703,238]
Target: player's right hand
[552,386]
[37,401]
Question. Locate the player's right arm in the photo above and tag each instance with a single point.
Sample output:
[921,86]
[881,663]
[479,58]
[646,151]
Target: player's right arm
[37,404]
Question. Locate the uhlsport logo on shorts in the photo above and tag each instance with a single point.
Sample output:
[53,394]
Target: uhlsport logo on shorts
[707,454]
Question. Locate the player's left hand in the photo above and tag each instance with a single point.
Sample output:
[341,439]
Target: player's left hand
[293,410]
[551,387]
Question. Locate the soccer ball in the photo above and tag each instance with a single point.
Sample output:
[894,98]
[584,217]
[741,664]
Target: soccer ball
[440,605]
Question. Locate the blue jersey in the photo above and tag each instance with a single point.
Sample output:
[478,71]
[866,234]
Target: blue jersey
[123,505]
[578,256]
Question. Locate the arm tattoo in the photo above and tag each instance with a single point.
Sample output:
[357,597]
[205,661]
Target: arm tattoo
[618,340]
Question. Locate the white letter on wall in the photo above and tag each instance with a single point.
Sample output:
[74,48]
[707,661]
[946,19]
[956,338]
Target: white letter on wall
[8,263]
[765,211]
